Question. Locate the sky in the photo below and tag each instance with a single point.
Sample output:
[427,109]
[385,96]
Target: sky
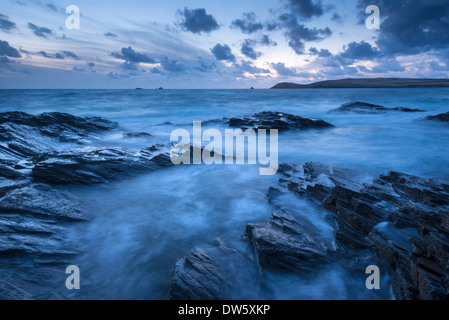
[233,44]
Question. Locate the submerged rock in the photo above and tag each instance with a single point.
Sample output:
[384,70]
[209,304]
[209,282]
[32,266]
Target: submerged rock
[277,120]
[362,107]
[134,135]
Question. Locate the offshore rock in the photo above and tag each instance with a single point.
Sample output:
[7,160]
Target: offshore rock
[362,107]
[278,120]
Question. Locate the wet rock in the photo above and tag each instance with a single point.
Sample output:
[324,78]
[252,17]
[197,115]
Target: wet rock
[42,200]
[362,107]
[277,120]
[444,117]
[33,218]
[58,122]
[8,172]
[24,136]
[403,218]
[136,135]
[213,273]
[286,244]
[97,166]
[414,276]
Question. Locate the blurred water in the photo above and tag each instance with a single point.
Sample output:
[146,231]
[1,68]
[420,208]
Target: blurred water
[141,226]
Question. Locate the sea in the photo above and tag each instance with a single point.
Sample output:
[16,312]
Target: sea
[142,225]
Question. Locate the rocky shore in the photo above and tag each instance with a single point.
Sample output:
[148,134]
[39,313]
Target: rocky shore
[398,221]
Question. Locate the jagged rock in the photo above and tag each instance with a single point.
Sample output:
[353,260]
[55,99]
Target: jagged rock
[53,123]
[414,277]
[213,273]
[8,172]
[362,107]
[32,219]
[24,136]
[96,166]
[277,120]
[42,200]
[286,244]
[32,144]
[403,218]
[443,117]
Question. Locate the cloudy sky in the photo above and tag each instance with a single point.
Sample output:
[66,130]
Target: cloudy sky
[218,44]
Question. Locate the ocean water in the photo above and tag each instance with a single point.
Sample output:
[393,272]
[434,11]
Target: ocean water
[142,225]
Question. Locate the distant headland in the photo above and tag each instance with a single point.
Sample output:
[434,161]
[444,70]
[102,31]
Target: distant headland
[368,83]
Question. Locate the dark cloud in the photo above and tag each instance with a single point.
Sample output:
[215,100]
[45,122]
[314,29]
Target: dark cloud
[248,49]
[156,71]
[111,35]
[130,66]
[89,68]
[7,51]
[132,58]
[323,53]
[248,23]
[306,9]
[40,31]
[6,24]
[247,67]
[52,7]
[387,66]
[45,54]
[282,70]
[223,53]
[360,51]
[297,33]
[70,54]
[412,26]
[60,55]
[197,21]
[337,18]
[118,76]
[266,41]
[205,67]
[172,65]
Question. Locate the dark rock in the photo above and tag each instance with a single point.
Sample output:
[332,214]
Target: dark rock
[42,200]
[55,122]
[213,273]
[414,277]
[277,120]
[32,219]
[444,117]
[133,135]
[287,244]
[362,107]
[24,135]
[96,166]
[403,218]
[9,173]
